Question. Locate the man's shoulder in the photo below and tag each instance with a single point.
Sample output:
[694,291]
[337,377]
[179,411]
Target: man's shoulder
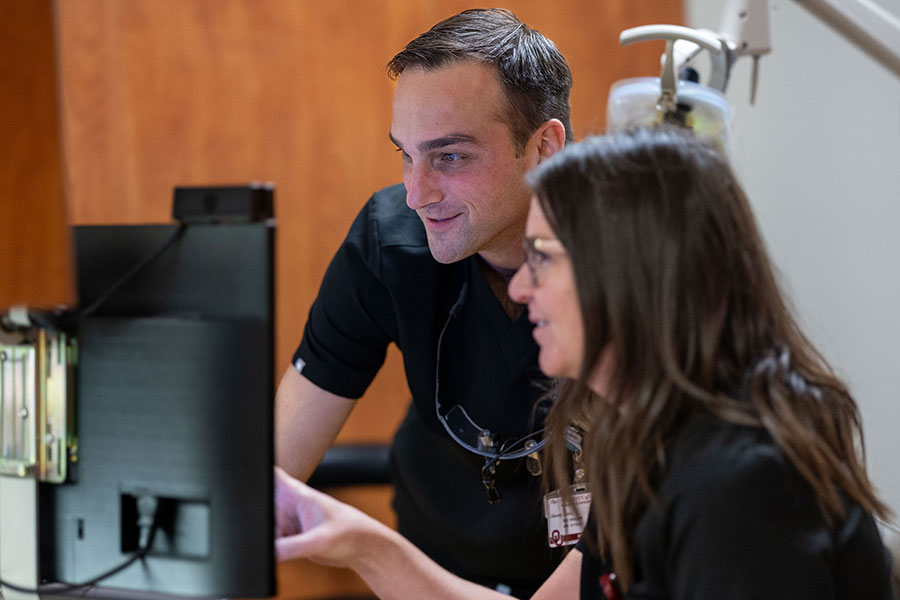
[393,222]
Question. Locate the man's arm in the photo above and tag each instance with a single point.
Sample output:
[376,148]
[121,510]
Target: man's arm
[307,419]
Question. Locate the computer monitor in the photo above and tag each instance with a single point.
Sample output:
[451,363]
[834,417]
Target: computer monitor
[175,385]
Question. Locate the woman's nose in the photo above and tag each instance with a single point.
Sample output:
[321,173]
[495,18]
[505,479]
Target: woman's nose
[520,286]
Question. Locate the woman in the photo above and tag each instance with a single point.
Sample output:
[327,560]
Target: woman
[720,450]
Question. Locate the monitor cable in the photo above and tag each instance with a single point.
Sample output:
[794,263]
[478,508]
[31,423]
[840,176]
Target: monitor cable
[65,319]
[148,524]
[100,300]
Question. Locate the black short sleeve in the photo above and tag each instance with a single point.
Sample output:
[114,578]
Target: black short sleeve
[352,320]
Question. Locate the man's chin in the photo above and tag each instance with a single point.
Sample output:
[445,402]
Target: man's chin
[446,255]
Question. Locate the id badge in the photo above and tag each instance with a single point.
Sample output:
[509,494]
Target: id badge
[566,520]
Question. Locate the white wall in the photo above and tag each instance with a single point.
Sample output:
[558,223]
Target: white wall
[819,156]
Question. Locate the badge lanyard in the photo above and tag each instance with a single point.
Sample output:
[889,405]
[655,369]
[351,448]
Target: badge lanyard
[566,520]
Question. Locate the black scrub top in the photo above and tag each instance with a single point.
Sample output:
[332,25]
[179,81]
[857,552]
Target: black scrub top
[384,286]
[734,519]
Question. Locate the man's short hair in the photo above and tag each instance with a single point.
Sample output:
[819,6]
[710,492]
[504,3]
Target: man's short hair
[533,73]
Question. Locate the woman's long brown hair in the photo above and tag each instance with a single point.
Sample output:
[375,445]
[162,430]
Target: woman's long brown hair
[673,277]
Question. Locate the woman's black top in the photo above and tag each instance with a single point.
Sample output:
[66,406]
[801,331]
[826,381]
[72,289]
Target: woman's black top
[734,519]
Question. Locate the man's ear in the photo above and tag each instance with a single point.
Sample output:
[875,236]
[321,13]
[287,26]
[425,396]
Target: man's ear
[549,139]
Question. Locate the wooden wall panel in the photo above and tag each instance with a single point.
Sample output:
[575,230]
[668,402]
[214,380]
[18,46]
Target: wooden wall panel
[35,260]
[160,93]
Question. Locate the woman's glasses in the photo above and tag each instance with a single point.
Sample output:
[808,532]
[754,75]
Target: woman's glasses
[538,253]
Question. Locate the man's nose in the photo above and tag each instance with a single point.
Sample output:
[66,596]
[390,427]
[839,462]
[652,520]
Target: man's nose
[422,187]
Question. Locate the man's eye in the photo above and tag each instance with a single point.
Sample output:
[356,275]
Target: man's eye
[403,155]
[451,157]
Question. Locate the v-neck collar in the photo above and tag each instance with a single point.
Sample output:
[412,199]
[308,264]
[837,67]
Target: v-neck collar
[510,335]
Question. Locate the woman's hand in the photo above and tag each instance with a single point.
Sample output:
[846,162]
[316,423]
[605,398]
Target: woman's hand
[313,525]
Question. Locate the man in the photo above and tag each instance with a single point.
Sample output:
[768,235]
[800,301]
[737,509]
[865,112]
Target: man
[480,99]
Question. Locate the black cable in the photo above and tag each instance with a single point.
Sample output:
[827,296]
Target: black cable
[63,319]
[131,273]
[63,587]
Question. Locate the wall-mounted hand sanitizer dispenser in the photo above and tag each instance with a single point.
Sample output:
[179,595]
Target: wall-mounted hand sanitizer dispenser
[652,101]
[633,103]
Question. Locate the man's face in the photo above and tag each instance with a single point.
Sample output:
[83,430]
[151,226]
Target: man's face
[460,168]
